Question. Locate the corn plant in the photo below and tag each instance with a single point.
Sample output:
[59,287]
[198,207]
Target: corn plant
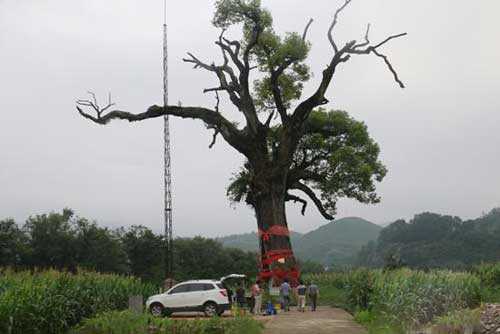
[52,302]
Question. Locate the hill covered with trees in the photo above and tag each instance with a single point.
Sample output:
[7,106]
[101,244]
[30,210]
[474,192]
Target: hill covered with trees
[333,244]
[433,240]
[337,243]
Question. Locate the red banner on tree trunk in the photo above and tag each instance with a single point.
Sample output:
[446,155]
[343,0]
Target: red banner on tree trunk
[274,230]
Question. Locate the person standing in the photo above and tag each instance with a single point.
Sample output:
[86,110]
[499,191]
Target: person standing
[313,292]
[301,293]
[285,294]
[241,299]
[257,297]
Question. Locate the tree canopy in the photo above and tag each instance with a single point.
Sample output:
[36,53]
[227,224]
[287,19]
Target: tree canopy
[335,157]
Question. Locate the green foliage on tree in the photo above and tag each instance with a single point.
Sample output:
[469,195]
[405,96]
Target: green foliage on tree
[145,253]
[336,157]
[201,258]
[433,240]
[63,240]
[13,248]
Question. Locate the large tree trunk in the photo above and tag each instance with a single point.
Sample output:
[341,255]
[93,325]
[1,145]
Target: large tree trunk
[277,258]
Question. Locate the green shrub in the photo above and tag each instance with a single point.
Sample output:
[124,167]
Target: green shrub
[364,317]
[52,302]
[129,323]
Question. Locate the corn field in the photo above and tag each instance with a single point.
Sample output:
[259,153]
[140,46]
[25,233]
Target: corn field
[405,297]
[53,302]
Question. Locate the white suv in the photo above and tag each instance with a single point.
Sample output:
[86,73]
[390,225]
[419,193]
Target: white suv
[208,296]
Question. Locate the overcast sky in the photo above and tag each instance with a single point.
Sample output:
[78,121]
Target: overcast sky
[439,137]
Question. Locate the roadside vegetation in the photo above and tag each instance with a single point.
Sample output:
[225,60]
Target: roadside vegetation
[393,301]
[52,301]
[126,322]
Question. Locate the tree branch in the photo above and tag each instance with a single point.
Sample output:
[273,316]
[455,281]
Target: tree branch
[304,34]
[391,68]
[216,131]
[295,199]
[373,49]
[367,39]
[269,119]
[310,193]
[334,22]
[211,118]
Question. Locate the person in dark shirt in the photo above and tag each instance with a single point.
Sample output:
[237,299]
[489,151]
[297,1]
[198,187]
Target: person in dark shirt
[301,293]
[313,292]
[285,295]
[240,298]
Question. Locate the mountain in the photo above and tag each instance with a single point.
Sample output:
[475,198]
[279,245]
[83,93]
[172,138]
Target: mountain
[336,243]
[249,241]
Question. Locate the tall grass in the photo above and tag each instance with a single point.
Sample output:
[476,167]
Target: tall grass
[415,298]
[404,297]
[488,273]
[52,302]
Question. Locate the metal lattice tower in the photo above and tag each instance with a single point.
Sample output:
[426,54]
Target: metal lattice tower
[167,161]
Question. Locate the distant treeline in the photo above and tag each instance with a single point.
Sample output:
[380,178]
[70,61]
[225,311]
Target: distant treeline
[65,241]
[431,240]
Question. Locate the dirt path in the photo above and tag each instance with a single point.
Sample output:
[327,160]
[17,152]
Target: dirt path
[325,320]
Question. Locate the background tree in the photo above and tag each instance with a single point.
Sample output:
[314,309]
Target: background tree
[13,244]
[206,258]
[145,252]
[263,75]
[98,248]
[51,240]
[65,241]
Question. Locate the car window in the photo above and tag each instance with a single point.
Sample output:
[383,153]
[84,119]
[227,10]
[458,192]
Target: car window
[208,286]
[179,289]
[196,287]
[221,286]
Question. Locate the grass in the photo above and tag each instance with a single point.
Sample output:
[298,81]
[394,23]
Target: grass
[126,322]
[491,295]
[376,323]
[458,322]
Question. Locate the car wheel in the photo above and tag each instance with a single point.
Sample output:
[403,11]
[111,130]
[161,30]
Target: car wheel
[157,310]
[210,309]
